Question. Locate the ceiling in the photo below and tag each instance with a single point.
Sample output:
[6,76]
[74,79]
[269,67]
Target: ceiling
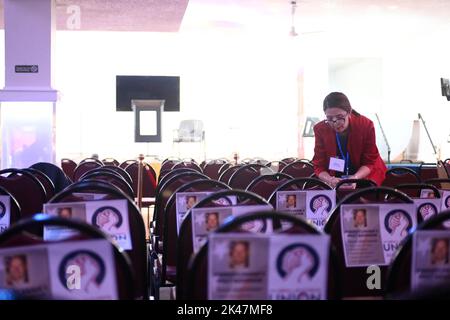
[247,15]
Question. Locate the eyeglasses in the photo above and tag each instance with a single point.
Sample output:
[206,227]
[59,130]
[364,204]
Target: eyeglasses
[338,120]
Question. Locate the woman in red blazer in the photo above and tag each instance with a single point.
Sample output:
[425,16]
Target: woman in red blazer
[345,144]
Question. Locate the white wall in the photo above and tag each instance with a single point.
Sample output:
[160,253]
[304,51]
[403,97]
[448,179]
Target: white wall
[243,89]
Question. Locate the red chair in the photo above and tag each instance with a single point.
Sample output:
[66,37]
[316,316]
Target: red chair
[126,163]
[227,173]
[197,282]
[112,178]
[298,184]
[185,249]
[354,278]
[15,211]
[266,184]
[428,171]
[243,176]
[68,166]
[85,166]
[400,175]
[21,235]
[342,192]
[398,284]
[187,164]
[110,162]
[45,180]
[169,251]
[138,254]
[299,169]
[148,179]
[165,192]
[212,167]
[26,188]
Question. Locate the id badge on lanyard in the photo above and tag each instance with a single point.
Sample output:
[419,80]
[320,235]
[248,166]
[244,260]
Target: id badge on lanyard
[340,165]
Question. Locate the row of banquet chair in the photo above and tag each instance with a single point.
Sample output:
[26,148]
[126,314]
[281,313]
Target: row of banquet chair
[43,183]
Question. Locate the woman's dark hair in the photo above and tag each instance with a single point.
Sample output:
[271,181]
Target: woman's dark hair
[338,100]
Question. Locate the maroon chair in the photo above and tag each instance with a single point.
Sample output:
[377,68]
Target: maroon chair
[112,178]
[165,192]
[21,235]
[242,177]
[354,278]
[398,284]
[224,167]
[185,248]
[15,211]
[166,166]
[212,167]
[284,162]
[68,166]
[45,180]
[298,184]
[26,188]
[126,163]
[265,185]
[169,257]
[428,171]
[138,254]
[227,173]
[187,164]
[299,169]
[342,192]
[83,167]
[148,179]
[195,286]
[443,184]
[400,175]
[110,162]
[118,170]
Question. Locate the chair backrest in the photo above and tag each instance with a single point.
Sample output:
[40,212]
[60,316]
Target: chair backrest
[148,179]
[443,184]
[110,177]
[197,283]
[19,235]
[126,163]
[14,206]
[428,171]
[187,164]
[227,173]
[165,192]
[45,180]
[242,177]
[170,224]
[399,284]
[110,162]
[211,168]
[299,169]
[190,131]
[400,175]
[354,278]
[298,184]
[56,174]
[26,188]
[224,167]
[170,174]
[138,253]
[413,190]
[96,160]
[84,167]
[118,170]
[342,191]
[265,185]
[68,166]
[185,247]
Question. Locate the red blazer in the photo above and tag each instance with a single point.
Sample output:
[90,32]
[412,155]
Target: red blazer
[361,147]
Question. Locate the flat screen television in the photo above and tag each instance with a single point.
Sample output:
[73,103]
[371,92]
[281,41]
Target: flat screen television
[148,87]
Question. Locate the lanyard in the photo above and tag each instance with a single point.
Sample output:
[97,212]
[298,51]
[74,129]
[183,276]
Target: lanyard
[342,154]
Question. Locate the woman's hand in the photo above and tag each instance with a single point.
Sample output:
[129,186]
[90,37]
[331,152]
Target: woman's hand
[334,181]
